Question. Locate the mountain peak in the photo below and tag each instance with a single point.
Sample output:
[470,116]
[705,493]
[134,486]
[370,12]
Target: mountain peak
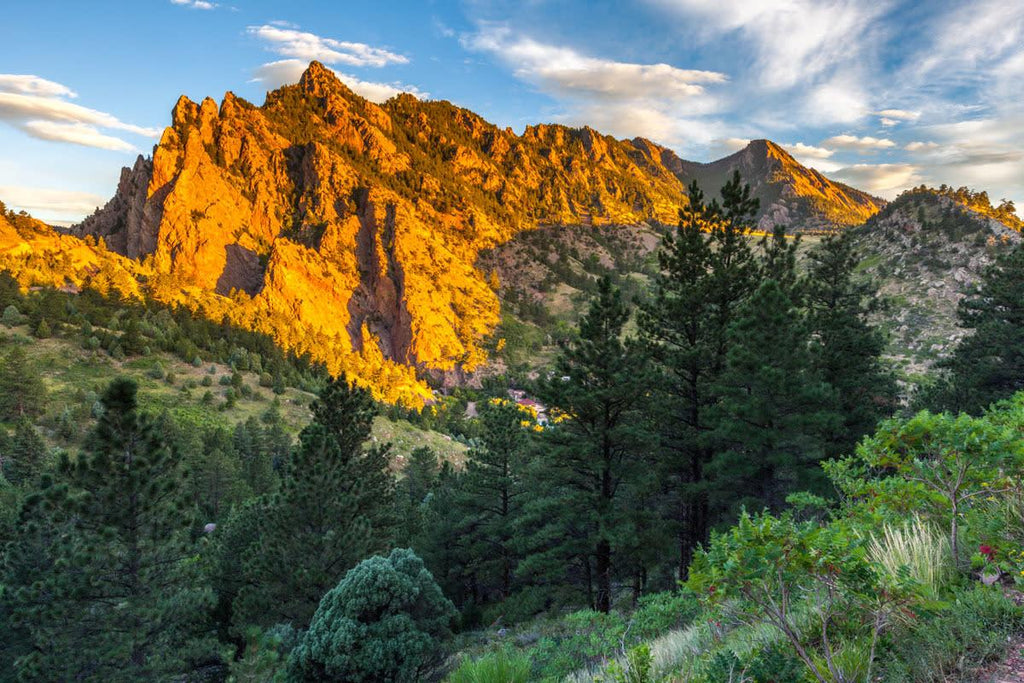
[790,194]
[319,80]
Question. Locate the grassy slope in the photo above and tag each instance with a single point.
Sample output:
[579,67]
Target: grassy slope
[70,372]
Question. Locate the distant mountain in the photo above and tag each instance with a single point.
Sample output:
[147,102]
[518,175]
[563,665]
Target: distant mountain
[790,193]
[352,231]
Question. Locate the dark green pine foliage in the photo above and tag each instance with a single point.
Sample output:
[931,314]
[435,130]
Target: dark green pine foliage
[334,508]
[846,350]
[594,464]
[443,546]
[113,590]
[489,499]
[22,393]
[385,621]
[988,365]
[24,455]
[420,475]
[773,410]
[707,271]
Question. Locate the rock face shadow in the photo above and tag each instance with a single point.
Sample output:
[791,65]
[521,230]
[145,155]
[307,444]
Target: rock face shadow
[242,271]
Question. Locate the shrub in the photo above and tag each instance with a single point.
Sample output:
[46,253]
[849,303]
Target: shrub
[501,666]
[659,613]
[948,643]
[11,316]
[207,382]
[384,621]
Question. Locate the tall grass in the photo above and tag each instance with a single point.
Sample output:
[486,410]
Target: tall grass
[500,666]
[917,546]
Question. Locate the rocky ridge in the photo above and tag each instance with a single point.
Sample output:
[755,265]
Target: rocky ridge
[352,231]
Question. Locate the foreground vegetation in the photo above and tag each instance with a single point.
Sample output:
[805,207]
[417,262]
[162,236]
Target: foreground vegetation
[732,493]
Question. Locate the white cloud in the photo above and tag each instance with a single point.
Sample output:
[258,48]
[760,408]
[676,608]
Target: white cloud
[799,149]
[288,71]
[76,133]
[564,71]
[35,106]
[195,4]
[33,85]
[886,180]
[864,144]
[289,42]
[892,117]
[623,98]
[50,204]
[918,146]
[794,41]
[841,99]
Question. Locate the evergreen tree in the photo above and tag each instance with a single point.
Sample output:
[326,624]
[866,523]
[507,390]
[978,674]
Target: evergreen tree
[420,474]
[334,508]
[707,271]
[988,365]
[773,407]
[116,595]
[846,350]
[25,454]
[22,393]
[597,456]
[489,499]
[384,621]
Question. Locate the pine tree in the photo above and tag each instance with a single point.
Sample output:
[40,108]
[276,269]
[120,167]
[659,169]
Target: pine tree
[117,593]
[489,498]
[988,365]
[22,393]
[773,408]
[846,350]
[420,474]
[597,454]
[333,509]
[25,454]
[707,271]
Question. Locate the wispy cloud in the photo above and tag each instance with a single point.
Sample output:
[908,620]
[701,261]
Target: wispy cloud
[195,4]
[859,144]
[38,107]
[302,45]
[624,98]
[892,117]
[50,204]
[287,71]
[882,179]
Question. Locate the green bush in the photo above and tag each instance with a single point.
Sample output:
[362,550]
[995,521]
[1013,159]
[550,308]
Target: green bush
[659,613]
[500,666]
[385,621]
[946,644]
[582,640]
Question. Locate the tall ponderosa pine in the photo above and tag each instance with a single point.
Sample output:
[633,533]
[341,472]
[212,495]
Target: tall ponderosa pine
[989,364]
[707,270]
[115,593]
[489,498]
[846,349]
[334,508]
[773,412]
[594,464]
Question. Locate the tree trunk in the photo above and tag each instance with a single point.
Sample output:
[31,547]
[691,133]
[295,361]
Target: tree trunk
[603,566]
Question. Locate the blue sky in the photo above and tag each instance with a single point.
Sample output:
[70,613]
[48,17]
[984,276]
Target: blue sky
[881,94]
